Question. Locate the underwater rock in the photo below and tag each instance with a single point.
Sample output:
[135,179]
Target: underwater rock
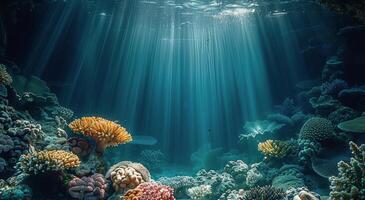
[180,184]
[287,108]
[220,182]
[154,160]
[237,169]
[353,97]
[127,175]
[356,125]
[342,114]
[200,192]
[349,184]
[334,87]
[289,176]
[93,187]
[324,105]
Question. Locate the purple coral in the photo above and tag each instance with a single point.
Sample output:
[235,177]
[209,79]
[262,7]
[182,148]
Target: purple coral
[88,188]
[334,87]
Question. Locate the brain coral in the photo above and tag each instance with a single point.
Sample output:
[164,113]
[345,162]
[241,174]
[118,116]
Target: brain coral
[105,133]
[43,161]
[274,148]
[150,191]
[5,78]
[127,175]
[316,129]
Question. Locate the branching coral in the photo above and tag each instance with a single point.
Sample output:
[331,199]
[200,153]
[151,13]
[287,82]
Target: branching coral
[265,193]
[350,182]
[105,133]
[316,129]
[199,192]
[127,175]
[92,187]
[274,148]
[150,191]
[43,161]
[5,77]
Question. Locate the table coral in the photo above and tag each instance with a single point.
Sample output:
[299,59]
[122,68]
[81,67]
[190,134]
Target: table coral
[150,191]
[105,133]
[317,129]
[88,187]
[127,175]
[350,182]
[43,161]
[5,77]
[275,148]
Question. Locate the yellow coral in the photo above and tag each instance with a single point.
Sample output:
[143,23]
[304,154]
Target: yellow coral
[5,77]
[105,133]
[274,148]
[42,161]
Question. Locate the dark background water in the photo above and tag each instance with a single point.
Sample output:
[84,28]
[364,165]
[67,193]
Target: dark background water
[186,76]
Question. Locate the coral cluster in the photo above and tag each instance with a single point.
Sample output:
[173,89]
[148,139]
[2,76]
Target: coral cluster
[152,159]
[93,187]
[275,148]
[264,193]
[105,133]
[180,184]
[150,191]
[44,161]
[220,182]
[350,182]
[199,192]
[5,77]
[238,169]
[127,175]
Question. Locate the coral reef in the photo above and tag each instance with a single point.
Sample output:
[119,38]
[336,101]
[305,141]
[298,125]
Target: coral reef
[316,129]
[43,161]
[5,77]
[127,175]
[308,149]
[105,133]
[350,184]
[180,184]
[79,146]
[199,192]
[342,114]
[265,192]
[253,177]
[220,182]
[237,169]
[93,187]
[275,148]
[301,193]
[334,87]
[324,105]
[150,191]
[233,195]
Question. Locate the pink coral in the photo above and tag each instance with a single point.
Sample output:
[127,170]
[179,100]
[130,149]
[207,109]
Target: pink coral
[92,187]
[151,191]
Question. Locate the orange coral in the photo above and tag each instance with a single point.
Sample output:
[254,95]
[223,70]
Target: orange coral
[54,160]
[105,133]
[134,194]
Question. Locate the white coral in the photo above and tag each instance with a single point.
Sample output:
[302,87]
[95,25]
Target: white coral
[199,192]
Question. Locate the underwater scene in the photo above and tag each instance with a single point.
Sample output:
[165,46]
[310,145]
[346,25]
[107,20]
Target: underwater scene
[182,99]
